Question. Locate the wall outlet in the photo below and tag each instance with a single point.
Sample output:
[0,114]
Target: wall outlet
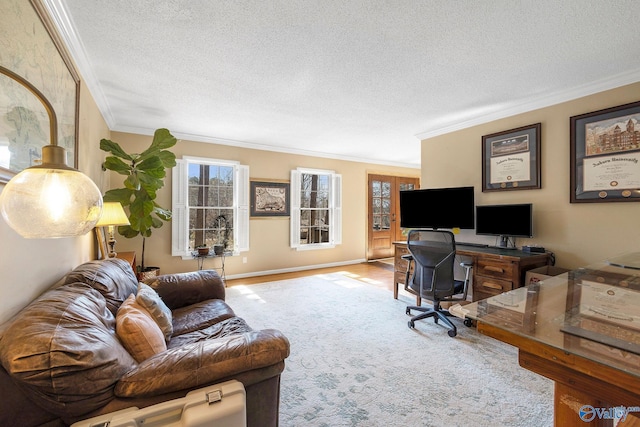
[244,259]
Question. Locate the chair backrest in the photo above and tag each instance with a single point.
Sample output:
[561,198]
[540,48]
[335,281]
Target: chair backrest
[434,253]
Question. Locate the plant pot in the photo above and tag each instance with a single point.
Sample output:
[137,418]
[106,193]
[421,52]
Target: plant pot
[148,273]
[218,249]
[203,251]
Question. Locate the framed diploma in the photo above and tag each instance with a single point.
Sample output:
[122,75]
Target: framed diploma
[511,159]
[605,155]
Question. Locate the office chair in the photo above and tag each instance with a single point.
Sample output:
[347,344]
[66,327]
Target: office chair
[434,252]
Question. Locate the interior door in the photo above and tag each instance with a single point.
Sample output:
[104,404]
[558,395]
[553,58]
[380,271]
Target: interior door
[384,213]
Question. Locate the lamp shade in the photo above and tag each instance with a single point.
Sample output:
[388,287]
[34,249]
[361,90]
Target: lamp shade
[112,214]
[51,199]
[47,203]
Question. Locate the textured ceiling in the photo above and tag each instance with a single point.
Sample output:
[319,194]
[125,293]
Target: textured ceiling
[360,80]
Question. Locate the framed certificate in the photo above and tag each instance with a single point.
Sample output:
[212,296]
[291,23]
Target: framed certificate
[605,155]
[511,159]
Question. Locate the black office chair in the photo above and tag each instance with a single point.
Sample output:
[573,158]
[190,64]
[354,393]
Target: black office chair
[434,252]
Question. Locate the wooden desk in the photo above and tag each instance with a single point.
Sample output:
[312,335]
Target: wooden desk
[494,270]
[589,373]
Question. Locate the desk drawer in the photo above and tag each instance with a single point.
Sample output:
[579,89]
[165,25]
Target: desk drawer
[498,269]
[489,285]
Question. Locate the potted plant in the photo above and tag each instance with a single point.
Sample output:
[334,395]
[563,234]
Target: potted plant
[144,176]
[223,224]
[202,250]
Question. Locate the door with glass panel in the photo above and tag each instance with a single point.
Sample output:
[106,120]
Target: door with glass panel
[384,213]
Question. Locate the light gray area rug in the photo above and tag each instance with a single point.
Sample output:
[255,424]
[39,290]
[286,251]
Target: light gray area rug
[354,361]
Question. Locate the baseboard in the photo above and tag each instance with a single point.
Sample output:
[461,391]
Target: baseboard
[293,269]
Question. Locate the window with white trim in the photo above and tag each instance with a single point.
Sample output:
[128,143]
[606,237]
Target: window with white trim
[210,205]
[316,209]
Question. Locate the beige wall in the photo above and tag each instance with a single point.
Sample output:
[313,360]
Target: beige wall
[578,234]
[29,266]
[269,237]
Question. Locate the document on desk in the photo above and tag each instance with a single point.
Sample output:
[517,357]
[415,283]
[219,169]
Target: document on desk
[612,304]
[607,314]
[515,300]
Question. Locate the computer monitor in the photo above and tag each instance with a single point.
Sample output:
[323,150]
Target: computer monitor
[436,208]
[505,221]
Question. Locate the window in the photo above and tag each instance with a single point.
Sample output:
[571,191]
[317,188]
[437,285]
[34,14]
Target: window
[316,209]
[210,205]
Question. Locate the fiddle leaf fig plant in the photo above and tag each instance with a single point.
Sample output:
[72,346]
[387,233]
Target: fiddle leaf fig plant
[144,176]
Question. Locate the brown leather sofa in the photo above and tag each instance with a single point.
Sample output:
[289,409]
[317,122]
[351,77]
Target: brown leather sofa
[63,360]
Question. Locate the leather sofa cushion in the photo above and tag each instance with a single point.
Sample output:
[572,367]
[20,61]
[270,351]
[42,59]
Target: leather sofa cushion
[113,278]
[137,330]
[149,299]
[62,351]
[185,289]
[231,326]
[200,315]
[204,362]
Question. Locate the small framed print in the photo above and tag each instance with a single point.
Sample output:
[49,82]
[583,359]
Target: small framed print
[511,159]
[605,155]
[269,199]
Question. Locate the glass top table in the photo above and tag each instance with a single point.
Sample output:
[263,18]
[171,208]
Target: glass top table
[581,329]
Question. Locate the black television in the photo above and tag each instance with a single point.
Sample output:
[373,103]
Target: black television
[436,208]
[505,221]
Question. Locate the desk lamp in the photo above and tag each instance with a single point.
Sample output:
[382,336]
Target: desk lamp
[51,199]
[112,215]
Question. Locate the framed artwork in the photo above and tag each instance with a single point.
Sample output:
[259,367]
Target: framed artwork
[269,199]
[605,155]
[29,33]
[511,159]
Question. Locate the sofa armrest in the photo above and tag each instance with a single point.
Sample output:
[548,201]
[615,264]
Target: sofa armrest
[182,289]
[203,363]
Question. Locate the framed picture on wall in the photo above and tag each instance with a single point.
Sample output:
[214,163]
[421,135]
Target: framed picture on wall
[269,199]
[511,159]
[605,155]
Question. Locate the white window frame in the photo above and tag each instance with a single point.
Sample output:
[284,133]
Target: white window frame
[335,209]
[180,217]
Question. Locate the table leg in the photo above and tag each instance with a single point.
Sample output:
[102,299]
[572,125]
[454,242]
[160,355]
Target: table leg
[567,404]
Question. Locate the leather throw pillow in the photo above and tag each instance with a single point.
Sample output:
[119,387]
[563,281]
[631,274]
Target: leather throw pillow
[137,330]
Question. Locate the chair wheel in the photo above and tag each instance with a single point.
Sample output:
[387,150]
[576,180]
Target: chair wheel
[435,319]
[408,311]
[411,324]
[468,323]
[452,333]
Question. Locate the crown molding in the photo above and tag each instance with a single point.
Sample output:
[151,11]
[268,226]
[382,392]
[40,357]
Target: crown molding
[267,147]
[570,94]
[61,19]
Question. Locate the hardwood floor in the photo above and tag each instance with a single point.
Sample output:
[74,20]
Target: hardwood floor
[373,273]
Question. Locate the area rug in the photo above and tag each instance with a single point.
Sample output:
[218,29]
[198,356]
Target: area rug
[355,362]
